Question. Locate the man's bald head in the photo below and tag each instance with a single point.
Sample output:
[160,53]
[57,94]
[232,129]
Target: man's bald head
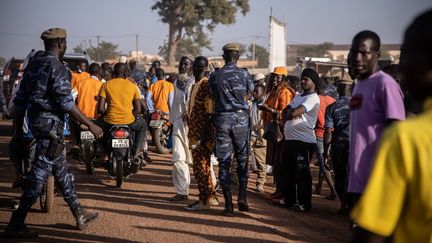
[120,70]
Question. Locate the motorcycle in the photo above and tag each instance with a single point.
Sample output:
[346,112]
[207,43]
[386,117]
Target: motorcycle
[160,129]
[121,162]
[46,196]
[89,149]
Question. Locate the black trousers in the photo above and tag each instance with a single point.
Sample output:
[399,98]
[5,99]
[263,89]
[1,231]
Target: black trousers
[296,177]
[339,153]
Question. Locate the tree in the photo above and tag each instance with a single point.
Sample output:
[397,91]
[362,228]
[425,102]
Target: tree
[2,61]
[184,47]
[243,49]
[105,50]
[79,49]
[189,19]
[320,50]
[261,54]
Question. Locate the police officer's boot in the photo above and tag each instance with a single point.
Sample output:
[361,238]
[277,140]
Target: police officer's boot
[241,200]
[83,218]
[229,207]
[17,229]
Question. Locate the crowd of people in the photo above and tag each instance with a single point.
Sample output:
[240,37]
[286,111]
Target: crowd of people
[278,121]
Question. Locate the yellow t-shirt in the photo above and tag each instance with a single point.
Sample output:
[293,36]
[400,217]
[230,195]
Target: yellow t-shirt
[398,197]
[119,94]
[160,91]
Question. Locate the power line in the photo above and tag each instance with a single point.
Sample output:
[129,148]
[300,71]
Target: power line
[86,36]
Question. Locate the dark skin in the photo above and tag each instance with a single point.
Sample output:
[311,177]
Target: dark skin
[308,88]
[83,66]
[363,58]
[258,94]
[274,81]
[198,70]
[120,71]
[97,74]
[363,61]
[417,75]
[185,66]
[59,50]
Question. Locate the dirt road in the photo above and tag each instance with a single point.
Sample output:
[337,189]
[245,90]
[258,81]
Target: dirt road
[140,212]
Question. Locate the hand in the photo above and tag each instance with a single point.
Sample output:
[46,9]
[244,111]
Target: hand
[96,130]
[185,118]
[263,107]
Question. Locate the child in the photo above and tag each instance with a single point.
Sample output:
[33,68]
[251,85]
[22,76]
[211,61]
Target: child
[258,144]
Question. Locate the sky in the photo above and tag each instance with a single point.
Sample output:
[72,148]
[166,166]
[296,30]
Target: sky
[308,22]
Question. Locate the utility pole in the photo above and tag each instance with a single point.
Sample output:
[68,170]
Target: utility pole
[136,46]
[253,54]
[99,54]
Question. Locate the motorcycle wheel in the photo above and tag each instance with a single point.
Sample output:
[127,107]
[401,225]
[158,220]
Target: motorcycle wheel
[88,154]
[47,195]
[119,172]
[160,139]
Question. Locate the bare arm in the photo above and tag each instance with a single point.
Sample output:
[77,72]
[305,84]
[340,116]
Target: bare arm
[101,105]
[292,113]
[136,106]
[327,141]
[77,115]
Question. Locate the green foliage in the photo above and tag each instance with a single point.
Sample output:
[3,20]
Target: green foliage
[261,54]
[185,47]
[106,50]
[2,61]
[188,19]
[320,50]
[242,49]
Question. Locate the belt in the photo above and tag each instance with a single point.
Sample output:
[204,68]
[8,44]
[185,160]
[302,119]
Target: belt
[228,112]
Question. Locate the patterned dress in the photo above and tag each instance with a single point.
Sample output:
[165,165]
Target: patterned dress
[200,106]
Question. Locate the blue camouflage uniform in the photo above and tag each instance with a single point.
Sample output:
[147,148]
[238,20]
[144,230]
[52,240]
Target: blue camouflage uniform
[337,117]
[46,91]
[229,86]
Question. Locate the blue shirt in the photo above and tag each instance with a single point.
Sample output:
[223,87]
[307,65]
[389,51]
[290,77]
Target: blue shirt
[337,116]
[138,76]
[46,91]
[229,86]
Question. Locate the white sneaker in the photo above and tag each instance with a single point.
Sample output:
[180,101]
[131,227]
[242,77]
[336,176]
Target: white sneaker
[213,202]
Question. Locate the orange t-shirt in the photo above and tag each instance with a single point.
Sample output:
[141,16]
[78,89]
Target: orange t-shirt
[88,90]
[78,76]
[160,92]
[277,100]
[324,102]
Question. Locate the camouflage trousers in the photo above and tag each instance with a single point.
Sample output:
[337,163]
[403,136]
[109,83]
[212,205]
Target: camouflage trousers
[42,166]
[232,135]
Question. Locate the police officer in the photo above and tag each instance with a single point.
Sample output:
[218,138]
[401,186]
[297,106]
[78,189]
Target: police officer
[45,92]
[229,86]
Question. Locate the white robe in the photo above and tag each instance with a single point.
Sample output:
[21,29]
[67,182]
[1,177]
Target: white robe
[182,156]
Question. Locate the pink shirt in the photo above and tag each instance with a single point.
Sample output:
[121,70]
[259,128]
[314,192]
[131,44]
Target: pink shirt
[374,101]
